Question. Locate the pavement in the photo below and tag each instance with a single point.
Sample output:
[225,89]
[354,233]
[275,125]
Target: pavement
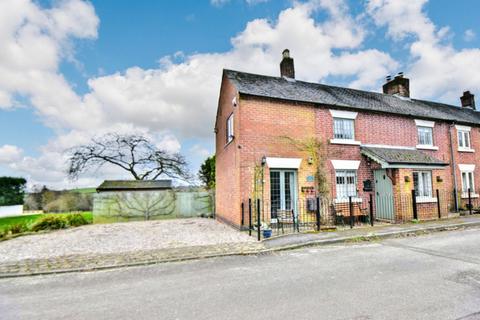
[436,276]
[101,261]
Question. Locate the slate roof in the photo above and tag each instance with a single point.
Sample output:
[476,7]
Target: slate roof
[127,185]
[401,156]
[294,90]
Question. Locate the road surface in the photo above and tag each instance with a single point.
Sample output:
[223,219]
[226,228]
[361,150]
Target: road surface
[427,277]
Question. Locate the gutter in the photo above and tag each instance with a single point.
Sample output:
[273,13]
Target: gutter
[455,186]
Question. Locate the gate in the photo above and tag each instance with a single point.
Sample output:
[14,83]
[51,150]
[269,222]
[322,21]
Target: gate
[383,195]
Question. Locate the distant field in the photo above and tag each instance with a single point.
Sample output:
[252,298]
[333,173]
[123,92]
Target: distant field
[30,219]
[84,190]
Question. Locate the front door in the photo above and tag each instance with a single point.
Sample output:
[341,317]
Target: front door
[283,191]
[383,195]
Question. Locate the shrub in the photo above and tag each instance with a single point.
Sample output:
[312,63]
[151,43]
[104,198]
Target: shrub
[69,201]
[17,228]
[50,222]
[76,219]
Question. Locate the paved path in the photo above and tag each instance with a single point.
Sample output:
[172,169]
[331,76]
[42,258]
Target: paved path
[96,259]
[359,233]
[429,277]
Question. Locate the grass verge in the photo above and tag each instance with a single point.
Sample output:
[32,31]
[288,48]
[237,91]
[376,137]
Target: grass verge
[23,224]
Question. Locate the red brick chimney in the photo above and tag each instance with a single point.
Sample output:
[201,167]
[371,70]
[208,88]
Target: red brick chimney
[287,68]
[398,85]
[468,100]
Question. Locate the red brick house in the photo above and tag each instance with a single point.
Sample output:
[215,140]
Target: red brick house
[281,140]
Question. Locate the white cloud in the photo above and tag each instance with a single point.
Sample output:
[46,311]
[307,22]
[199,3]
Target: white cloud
[437,69]
[178,99]
[254,2]
[182,95]
[200,151]
[10,153]
[469,35]
[218,3]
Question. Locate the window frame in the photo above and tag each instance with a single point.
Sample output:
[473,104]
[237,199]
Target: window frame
[470,181]
[346,191]
[343,128]
[229,130]
[463,136]
[430,131]
[421,191]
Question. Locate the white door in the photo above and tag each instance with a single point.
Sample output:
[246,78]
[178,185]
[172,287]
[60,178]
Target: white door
[283,191]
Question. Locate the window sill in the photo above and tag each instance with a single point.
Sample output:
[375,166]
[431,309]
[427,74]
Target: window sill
[345,200]
[473,195]
[345,141]
[465,150]
[426,199]
[426,147]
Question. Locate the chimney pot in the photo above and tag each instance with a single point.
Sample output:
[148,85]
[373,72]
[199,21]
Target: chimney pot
[398,85]
[468,100]
[287,68]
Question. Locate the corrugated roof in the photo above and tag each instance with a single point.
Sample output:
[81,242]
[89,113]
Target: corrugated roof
[401,156]
[294,90]
[111,185]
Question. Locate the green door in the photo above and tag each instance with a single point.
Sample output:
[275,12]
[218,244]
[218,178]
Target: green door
[383,196]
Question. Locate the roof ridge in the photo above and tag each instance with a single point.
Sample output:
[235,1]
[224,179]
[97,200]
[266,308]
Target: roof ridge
[343,88]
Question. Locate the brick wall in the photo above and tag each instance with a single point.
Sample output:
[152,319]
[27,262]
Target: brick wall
[265,126]
[261,125]
[227,193]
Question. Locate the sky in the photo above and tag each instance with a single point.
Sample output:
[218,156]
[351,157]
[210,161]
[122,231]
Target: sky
[71,70]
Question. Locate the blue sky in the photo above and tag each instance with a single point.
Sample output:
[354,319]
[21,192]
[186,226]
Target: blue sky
[106,63]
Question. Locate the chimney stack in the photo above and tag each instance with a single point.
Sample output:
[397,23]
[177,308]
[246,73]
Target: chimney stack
[287,68]
[468,100]
[398,85]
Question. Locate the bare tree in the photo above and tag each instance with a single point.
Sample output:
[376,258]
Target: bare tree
[143,204]
[133,153]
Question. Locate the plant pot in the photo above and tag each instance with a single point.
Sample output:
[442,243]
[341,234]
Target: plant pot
[267,233]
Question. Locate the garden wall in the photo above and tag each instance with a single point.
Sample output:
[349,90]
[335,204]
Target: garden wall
[10,211]
[114,206]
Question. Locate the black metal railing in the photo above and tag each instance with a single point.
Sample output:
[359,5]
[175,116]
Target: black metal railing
[309,214]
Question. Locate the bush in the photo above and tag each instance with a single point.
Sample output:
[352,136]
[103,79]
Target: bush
[50,222]
[69,201]
[17,228]
[76,220]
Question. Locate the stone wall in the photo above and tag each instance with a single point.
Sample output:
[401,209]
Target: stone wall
[151,205]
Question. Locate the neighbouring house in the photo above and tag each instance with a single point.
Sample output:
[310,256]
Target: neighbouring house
[284,142]
[126,200]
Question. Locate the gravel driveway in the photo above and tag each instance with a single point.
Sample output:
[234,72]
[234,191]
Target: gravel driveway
[121,237]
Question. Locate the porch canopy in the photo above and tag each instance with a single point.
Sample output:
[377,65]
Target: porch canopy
[402,158]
